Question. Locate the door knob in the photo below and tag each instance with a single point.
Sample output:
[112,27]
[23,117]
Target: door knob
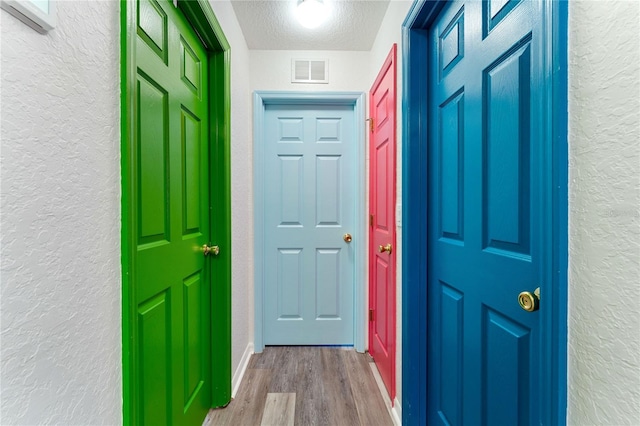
[530,301]
[387,248]
[347,238]
[210,250]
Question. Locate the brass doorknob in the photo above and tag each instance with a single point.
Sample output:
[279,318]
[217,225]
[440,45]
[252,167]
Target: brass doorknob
[530,301]
[387,248]
[210,250]
[347,238]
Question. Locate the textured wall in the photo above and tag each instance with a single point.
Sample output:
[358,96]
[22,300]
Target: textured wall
[242,184]
[60,219]
[389,33]
[604,282]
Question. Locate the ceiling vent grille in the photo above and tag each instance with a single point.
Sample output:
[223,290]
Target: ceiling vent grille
[310,71]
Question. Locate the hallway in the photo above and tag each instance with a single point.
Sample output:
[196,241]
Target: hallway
[71,229]
[305,385]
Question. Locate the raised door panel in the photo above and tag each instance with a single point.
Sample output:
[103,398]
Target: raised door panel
[506,392]
[506,152]
[195,298]
[451,356]
[152,27]
[154,350]
[289,192]
[190,68]
[451,166]
[290,279]
[191,141]
[382,224]
[328,283]
[328,190]
[153,162]
[329,130]
[381,331]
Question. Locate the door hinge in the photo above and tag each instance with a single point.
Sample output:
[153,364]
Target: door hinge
[370,314]
[370,120]
[371,220]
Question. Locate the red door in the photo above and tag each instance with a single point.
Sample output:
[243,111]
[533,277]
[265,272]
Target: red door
[382,223]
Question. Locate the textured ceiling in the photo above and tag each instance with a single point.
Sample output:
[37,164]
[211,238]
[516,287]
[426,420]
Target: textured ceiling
[271,25]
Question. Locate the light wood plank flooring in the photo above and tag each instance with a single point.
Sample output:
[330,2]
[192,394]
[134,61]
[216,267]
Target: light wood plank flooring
[305,385]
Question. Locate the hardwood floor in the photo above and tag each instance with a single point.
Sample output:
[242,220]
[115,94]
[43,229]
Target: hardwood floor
[305,385]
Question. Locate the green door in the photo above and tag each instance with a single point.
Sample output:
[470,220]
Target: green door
[172,284]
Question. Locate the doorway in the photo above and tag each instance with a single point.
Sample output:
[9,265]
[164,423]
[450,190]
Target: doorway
[310,236]
[485,207]
[175,247]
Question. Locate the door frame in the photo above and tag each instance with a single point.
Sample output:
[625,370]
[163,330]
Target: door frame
[356,99]
[202,19]
[555,232]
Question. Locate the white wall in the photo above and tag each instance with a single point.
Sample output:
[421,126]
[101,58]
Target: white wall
[60,217]
[389,33]
[271,70]
[604,202]
[242,186]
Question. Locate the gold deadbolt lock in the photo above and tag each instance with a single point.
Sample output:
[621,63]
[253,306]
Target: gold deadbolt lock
[530,301]
[210,250]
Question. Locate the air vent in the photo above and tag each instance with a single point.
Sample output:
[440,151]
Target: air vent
[310,71]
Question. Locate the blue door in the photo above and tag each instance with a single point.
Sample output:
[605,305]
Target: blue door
[484,214]
[309,208]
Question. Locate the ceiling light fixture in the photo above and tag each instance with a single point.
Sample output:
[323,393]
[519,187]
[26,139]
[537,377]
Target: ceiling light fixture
[311,13]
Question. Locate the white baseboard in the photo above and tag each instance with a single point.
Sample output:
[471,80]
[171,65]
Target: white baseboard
[242,368]
[396,412]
